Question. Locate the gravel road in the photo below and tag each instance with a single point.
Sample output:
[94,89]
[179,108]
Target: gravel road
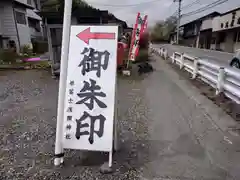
[165,134]
[28,103]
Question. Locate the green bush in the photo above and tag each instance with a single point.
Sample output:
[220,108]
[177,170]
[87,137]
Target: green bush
[26,50]
[8,56]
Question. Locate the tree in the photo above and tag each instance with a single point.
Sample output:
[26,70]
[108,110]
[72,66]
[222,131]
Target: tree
[58,5]
[171,23]
[157,33]
[162,29]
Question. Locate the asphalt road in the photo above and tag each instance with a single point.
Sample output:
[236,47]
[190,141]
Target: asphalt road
[222,58]
[168,131]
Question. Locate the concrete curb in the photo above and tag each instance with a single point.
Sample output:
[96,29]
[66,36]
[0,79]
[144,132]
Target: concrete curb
[2,68]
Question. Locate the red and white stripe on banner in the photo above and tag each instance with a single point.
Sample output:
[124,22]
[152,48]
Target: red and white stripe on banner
[141,33]
[131,55]
[137,32]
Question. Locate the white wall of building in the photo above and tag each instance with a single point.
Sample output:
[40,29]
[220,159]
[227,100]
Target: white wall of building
[23,29]
[24,35]
[8,23]
[229,42]
[236,46]
[227,23]
[206,24]
[217,21]
[237,42]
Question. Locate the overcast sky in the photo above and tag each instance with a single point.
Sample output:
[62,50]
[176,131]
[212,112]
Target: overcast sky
[157,9]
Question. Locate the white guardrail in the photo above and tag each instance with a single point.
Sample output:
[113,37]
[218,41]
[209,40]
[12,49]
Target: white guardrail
[223,79]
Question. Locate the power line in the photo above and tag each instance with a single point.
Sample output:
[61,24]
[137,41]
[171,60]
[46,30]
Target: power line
[186,6]
[218,2]
[122,5]
[213,4]
[190,4]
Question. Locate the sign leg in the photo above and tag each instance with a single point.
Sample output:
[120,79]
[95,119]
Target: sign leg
[110,160]
[116,143]
[116,139]
[106,168]
[58,160]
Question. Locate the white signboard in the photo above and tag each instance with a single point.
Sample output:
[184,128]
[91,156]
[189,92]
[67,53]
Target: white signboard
[90,93]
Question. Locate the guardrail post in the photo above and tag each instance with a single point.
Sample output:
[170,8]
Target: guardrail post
[195,68]
[173,57]
[165,54]
[220,82]
[181,61]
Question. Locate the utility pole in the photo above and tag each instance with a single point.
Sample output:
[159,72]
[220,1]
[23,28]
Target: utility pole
[179,17]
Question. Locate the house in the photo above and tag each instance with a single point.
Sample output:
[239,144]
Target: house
[214,31]
[173,35]
[19,23]
[122,25]
[198,32]
[53,21]
[226,31]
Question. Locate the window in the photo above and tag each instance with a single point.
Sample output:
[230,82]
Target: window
[34,24]
[20,17]
[226,24]
[222,37]
[235,36]
[233,15]
[221,25]
[213,40]
[238,21]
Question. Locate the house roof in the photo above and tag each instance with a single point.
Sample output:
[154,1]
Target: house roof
[232,10]
[57,18]
[83,17]
[33,15]
[226,7]
[19,2]
[213,14]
